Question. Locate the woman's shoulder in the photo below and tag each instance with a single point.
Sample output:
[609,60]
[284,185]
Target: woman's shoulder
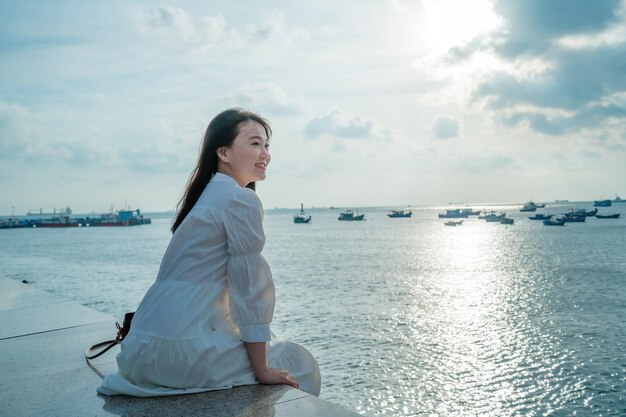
[222,190]
[230,190]
[246,197]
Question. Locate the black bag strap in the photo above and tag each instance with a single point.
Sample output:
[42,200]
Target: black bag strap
[109,344]
[122,331]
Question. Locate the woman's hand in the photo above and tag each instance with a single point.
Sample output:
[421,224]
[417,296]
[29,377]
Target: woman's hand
[257,352]
[271,376]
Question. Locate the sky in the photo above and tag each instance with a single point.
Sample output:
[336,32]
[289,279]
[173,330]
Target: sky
[372,102]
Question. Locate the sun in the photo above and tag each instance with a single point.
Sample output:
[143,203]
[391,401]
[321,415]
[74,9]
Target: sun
[442,24]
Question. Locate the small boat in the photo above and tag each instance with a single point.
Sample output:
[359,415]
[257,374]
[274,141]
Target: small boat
[532,206]
[602,203]
[399,213]
[557,222]
[607,216]
[301,218]
[350,216]
[494,218]
[618,199]
[10,223]
[591,213]
[455,214]
[453,223]
[573,218]
[541,217]
[507,220]
[583,212]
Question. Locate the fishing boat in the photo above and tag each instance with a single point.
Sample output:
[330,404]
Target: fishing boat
[119,218]
[618,199]
[106,220]
[557,222]
[350,216]
[453,223]
[582,212]
[14,223]
[507,220]
[301,218]
[454,214]
[607,216]
[399,214]
[494,218]
[591,213]
[573,218]
[531,206]
[540,216]
[602,203]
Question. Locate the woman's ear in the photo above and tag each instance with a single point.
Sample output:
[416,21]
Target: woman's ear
[222,153]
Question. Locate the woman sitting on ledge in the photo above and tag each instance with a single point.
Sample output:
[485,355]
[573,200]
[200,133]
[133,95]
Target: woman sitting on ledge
[205,322]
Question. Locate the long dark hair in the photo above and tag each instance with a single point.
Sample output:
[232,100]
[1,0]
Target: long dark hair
[222,131]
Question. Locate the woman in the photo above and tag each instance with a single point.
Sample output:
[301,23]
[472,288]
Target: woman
[204,323]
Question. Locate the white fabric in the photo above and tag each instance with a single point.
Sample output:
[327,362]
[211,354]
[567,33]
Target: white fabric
[214,290]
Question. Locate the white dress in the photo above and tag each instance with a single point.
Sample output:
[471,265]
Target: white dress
[214,291]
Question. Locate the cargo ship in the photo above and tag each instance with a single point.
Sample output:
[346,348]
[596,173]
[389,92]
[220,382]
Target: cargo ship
[119,218]
[55,212]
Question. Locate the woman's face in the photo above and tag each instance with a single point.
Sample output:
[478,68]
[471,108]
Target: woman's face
[246,159]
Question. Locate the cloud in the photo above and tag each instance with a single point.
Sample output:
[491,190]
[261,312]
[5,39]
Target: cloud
[212,32]
[39,135]
[14,130]
[169,21]
[458,54]
[446,128]
[571,84]
[272,30]
[531,26]
[575,79]
[593,116]
[268,98]
[590,154]
[153,159]
[584,87]
[54,137]
[79,154]
[337,124]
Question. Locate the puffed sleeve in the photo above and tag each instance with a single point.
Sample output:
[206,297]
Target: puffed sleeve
[250,284]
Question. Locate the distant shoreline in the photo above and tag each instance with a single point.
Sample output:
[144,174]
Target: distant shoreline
[171,213]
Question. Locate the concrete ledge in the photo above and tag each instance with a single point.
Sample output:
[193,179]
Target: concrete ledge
[43,371]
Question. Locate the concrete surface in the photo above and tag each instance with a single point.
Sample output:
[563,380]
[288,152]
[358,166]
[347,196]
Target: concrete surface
[43,371]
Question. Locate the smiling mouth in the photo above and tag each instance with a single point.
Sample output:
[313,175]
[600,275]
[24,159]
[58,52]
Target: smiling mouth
[261,165]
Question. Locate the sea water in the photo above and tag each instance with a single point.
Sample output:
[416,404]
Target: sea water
[405,316]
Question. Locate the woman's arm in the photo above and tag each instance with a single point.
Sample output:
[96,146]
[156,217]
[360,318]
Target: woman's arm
[250,285]
[257,352]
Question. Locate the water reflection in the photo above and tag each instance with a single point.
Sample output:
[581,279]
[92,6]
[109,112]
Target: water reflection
[445,321]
